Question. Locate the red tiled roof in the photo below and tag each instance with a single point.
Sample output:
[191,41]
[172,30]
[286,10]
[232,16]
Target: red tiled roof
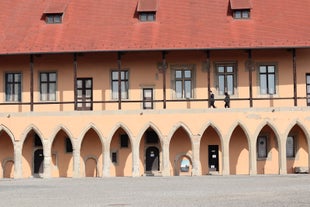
[92,25]
[240,4]
[147,5]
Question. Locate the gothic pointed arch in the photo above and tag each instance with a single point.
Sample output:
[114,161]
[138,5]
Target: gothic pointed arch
[8,131]
[7,153]
[122,126]
[93,127]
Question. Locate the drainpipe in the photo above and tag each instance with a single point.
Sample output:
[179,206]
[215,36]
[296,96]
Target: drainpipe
[75,79]
[294,76]
[250,65]
[164,68]
[31,82]
[209,74]
[119,66]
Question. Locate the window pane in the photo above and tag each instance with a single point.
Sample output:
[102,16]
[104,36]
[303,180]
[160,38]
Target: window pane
[245,14]
[262,69]
[88,83]
[188,89]
[151,17]
[230,84]
[9,92]
[271,84]
[147,93]
[221,84]
[220,69]
[188,73]
[115,90]
[178,74]
[79,83]
[9,77]
[263,84]
[230,69]
[178,89]
[237,14]
[52,77]
[17,77]
[143,17]
[44,77]
[290,147]
[262,147]
[88,93]
[271,69]
[308,79]
[115,75]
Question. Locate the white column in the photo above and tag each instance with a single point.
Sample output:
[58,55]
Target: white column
[135,159]
[196,171]
[47,159]
[106,161]
[226,168]
[18,168]
[282,155]
[76,159]
[165,158]
[253,158]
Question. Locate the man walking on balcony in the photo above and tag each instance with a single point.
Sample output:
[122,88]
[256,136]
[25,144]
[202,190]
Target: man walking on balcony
[211,100]
[227,100]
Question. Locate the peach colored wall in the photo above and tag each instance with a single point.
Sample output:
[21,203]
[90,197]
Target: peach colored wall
[123,167]
[210,137]
[238,152]
[91,155]
[183,142]
[6,156]
[62,161]
[270,165]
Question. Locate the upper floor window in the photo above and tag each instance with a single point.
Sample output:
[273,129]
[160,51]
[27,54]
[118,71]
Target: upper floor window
[147,10]
[13,84]
[267,79]
[124,82]
[241,14]
[55,18]
[240,9]
[147,16]
[183,83]
[226,77]
[48,86]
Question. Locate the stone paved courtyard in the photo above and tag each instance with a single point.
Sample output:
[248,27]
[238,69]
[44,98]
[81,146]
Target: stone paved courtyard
[247,191]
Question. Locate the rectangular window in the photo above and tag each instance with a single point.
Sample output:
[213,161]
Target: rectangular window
[267,79]
[13,84]
[48,86]
[241,14]
[124,84]
[69,148]
[53,18]
[84,94]
[226,74]
[147,16]
[183,83]
[147,98]
[290,147]
[124,140]
[114,157]
[262,147]
[308,88]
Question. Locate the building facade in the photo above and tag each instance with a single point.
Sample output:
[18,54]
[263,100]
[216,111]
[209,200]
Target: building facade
[126,93]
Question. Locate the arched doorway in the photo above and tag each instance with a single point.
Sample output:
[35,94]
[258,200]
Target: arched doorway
[38,162]
[8,169]
[152,159]
[91,168]
[183,166]
[6,155]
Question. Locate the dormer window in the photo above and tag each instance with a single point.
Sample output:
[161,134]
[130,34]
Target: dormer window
[54,12]
[147,16]
[53,18]
[147,10]
[241,14]
[240,9]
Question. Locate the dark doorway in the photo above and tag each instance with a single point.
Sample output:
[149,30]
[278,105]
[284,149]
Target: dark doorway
[38,161]
[152,159]
[213,157]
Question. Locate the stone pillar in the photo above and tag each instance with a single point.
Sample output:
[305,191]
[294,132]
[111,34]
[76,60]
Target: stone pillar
[226,168]
[18,168]
[165,157]
[135,159]
[106,161]
[47,159]
[282,155]
[196,171]
[253,157]
[76,159]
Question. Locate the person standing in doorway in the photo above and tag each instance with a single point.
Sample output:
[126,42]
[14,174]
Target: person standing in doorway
[211,100]
[227,100]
